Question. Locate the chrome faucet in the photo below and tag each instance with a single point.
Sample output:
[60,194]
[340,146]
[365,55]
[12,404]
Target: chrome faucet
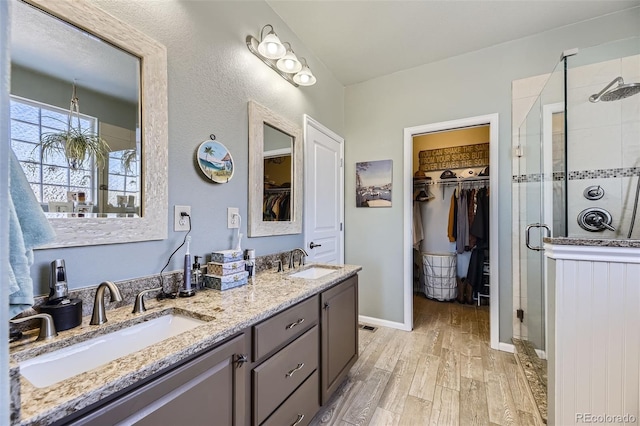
[47,327]
[99,316]
[303,254]
[138,305]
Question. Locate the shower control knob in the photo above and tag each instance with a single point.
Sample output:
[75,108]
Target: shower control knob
[594,192]
[595,219]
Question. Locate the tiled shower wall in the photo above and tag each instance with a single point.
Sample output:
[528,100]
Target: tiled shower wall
[603,146]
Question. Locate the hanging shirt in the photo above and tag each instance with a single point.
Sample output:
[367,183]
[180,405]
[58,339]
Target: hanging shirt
[462,237]
[451,229]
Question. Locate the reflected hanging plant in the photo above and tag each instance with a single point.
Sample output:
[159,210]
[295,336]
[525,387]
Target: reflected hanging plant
[78,146]
[129,158]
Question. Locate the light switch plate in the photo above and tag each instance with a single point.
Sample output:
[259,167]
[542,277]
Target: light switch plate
[181,223]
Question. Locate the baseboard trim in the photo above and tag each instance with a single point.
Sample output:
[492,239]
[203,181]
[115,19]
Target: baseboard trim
[383,323]
[506,347]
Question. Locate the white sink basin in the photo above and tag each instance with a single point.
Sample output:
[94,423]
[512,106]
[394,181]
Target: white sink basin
[53,367]
[313,273]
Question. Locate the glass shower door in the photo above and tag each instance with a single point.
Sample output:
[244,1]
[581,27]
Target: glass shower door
[540,195]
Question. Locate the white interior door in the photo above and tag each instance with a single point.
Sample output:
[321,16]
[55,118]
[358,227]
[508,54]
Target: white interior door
[324,194]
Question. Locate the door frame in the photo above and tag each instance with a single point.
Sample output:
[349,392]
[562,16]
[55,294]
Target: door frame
[308,179]
[409,133]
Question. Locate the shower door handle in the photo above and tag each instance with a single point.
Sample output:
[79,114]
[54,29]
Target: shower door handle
[528,235]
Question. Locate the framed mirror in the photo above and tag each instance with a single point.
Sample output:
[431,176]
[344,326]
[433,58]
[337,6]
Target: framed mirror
[275,174]
[119,77]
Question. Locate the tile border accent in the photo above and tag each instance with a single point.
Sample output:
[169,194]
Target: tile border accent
[581,174]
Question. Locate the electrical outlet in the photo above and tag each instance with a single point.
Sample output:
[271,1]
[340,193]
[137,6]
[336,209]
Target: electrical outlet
[233,217]
[180,222]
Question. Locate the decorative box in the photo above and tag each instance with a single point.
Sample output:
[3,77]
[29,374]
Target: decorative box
[226,256]
[229,268]
[226,282]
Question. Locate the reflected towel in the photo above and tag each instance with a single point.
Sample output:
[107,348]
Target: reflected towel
[28,228]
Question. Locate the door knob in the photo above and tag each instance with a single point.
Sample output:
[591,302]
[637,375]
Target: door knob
[312,245]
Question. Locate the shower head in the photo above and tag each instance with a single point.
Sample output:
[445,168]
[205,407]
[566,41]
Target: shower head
[622,91]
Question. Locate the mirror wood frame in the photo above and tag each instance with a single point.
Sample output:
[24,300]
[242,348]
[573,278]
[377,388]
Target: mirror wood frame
[152,225]
[258,117]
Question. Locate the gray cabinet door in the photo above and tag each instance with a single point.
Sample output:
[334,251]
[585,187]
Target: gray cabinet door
[208,390]
[339,329]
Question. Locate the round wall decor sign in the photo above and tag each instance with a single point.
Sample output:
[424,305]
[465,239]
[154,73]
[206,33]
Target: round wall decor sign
[215,161]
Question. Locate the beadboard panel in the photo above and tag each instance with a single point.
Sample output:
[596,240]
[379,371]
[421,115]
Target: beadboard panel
[597,345]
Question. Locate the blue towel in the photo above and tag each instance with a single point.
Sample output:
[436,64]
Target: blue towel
[28,228]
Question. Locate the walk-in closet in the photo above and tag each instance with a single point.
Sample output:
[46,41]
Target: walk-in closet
[451,215]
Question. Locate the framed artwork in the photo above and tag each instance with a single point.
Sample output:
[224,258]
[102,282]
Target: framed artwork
[373,183]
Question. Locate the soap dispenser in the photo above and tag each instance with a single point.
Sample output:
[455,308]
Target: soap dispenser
[196,274]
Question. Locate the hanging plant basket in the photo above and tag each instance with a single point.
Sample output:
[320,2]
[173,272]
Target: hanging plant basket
[78,146]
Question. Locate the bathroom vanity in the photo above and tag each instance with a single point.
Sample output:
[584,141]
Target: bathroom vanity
[270,352]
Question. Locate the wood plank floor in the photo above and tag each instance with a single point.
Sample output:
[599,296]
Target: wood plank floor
[442,373]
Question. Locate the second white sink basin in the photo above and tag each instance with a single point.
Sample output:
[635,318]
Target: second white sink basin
[53,367]
[313,273]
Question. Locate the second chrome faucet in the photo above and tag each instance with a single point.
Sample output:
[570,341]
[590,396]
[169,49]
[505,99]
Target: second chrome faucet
[99,315]
[303,254]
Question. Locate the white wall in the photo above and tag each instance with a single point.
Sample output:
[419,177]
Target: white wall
[211,76]
[478,83]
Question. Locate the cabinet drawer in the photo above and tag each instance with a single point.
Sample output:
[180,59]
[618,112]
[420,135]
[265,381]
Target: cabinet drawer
[300,407]
[284,327]
[275,379]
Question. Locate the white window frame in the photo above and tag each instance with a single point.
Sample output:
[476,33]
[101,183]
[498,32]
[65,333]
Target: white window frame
[43,107]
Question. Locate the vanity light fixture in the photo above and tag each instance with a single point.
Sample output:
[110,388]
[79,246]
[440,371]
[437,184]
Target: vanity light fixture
[279,56]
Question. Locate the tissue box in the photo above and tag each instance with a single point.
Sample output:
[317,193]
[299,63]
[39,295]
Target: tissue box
[226,256]
[229,268]
[226,282]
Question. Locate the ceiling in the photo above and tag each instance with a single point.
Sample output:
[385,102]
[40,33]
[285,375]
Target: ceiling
[360,40]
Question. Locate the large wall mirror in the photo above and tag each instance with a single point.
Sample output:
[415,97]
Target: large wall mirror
[76,70]
[275,174]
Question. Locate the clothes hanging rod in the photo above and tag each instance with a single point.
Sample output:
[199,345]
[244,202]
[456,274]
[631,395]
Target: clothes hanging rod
[277,190]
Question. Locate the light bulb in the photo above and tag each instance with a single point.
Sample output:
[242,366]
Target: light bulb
[272,48]
[289,63]
[305,77]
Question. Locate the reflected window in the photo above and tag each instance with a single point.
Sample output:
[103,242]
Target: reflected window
[50,176]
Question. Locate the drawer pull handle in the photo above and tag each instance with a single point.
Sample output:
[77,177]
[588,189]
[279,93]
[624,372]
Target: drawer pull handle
[299,367]
[297,422]
[241,359]
[293,324]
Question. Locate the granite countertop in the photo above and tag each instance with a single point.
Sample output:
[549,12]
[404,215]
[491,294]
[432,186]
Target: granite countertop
[227,312]
[592,242]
